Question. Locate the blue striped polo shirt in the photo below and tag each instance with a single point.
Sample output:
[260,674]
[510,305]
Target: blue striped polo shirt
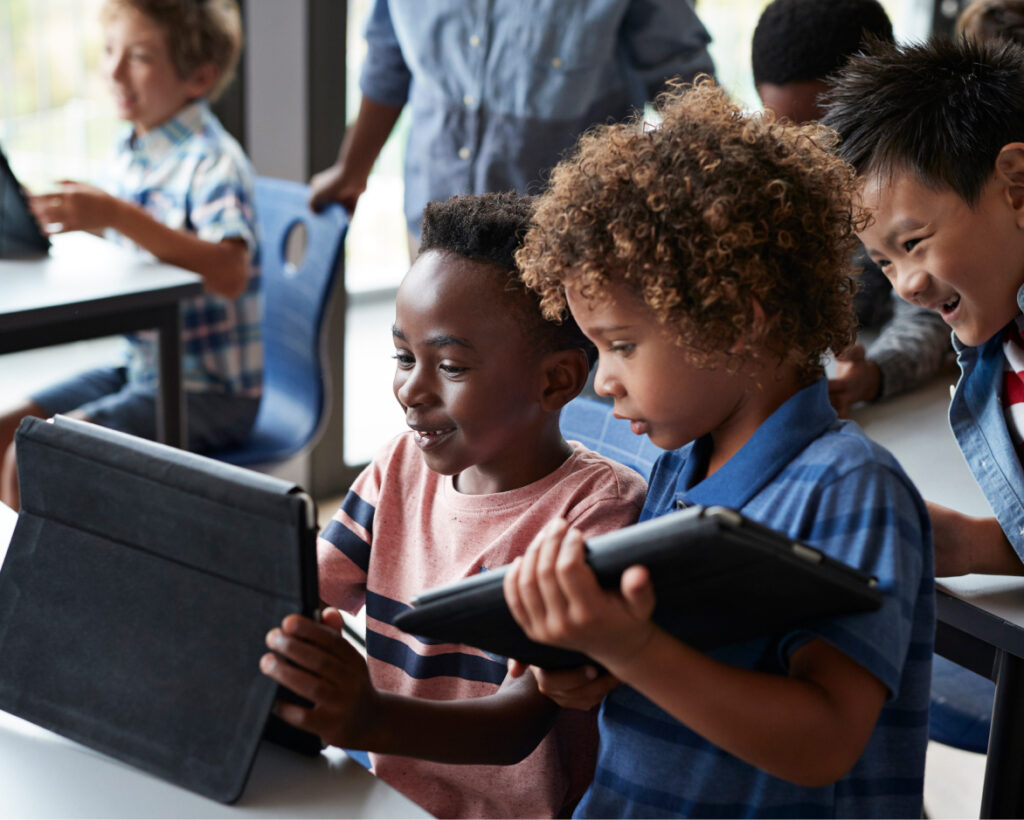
[822,481]
[191,175]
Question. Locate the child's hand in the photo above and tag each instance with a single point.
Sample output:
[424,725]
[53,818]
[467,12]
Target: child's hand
[75,207]
[857,379]
[580,688]
[316,662]
[556,599]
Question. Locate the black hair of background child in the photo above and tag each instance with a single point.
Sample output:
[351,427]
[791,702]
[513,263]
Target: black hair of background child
[805,40]
[941,109]
[489,229]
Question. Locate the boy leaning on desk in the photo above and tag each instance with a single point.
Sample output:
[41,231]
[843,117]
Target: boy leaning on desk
[180,188]
[936,135]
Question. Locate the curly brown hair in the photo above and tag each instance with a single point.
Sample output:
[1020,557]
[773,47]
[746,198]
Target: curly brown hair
[198,32]
[701,217]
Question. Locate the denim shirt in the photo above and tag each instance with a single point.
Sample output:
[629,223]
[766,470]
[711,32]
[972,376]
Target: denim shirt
[976,416]
[499,89]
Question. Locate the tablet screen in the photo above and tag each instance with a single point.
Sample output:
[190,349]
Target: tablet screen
[19,232]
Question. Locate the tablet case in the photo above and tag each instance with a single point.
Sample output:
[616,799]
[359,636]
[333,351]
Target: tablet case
[718,577]
[20,235]
[138,588]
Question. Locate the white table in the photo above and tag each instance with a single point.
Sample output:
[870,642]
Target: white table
[980,617]
[88,287]
[44,775]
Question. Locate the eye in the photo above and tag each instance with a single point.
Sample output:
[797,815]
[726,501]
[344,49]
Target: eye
[910,244]
[452,369]
[623,348]
[403,360]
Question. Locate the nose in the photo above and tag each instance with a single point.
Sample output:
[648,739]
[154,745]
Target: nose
[606,383]
[114,65]
[911,283]
[412,386]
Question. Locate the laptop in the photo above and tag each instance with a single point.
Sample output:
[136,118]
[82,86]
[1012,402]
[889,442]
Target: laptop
[135,596]
[719,577]
[20,234]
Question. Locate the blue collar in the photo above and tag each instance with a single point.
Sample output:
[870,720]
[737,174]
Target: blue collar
[799,421]
[162,140]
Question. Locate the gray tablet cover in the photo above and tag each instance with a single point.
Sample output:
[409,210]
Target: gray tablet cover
[719,577]
[138,587]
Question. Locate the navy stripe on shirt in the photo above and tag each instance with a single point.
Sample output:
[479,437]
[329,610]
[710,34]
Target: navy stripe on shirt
[450,664]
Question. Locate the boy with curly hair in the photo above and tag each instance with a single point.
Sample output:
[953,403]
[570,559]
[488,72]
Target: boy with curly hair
[708,259]
[936,134]
[180,188]
[482,378]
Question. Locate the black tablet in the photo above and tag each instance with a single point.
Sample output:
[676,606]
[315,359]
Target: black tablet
[719,578]
[135,596]
[20,235]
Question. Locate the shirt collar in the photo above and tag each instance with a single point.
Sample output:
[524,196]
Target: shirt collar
[799,421]
[165,138]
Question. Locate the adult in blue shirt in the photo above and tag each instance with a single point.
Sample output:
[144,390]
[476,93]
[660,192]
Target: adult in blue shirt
[499,89]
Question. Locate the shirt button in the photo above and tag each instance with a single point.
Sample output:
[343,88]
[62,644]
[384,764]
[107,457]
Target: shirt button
[464,153]
[474,41]
[557,62]
[469,99]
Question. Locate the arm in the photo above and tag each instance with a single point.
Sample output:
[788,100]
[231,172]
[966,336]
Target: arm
[808,727]
[224,265]
[316,662]
[665,39]
[345,181]
[964,544]
[910,349]
[384,82]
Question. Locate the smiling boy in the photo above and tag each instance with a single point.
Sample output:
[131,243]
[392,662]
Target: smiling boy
[481,377]
[180,188]
[936,134]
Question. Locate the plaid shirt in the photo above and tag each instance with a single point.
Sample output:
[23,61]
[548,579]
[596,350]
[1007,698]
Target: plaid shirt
[191,175]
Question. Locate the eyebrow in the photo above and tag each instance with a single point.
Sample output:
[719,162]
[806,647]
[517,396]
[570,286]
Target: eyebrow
[905,224]
[441,340]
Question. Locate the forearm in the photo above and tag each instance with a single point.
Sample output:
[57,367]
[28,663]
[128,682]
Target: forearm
[366,137]
[498,729]
[965,544]
[224,265]
[787,726]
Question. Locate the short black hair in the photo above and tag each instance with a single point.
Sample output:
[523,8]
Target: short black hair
[803,40]
[942,110]
[489,229]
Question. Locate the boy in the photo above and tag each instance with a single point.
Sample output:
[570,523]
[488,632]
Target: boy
[178,187]
[708,260]
[482,377]
[796,45]
[992,20]
[936,135]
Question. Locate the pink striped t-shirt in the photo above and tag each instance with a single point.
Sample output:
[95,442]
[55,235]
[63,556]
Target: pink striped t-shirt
[402,529]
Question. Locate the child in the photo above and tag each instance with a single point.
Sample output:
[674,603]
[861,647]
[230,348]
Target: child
[708,260]
[482,378]
[796,45]
[934,132]
[180,188]
[992,20]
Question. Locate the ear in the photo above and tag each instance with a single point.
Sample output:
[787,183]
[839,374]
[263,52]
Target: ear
[565,375]
[1010,171]
[202,80]
[752,334]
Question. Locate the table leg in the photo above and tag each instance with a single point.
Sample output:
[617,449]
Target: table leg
[170,405]
[1003,794]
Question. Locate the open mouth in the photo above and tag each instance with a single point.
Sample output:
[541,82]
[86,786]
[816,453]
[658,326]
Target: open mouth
[950,306]
[426,439]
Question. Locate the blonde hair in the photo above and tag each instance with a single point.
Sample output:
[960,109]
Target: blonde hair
[197,31]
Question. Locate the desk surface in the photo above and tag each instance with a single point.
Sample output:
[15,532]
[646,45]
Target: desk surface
[45,775]
[83,268]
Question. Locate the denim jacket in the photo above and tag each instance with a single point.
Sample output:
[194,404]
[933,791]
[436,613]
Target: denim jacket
[976,416]
[499,89]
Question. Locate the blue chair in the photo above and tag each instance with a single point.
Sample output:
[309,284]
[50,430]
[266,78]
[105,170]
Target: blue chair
[294,302]
[591,423]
